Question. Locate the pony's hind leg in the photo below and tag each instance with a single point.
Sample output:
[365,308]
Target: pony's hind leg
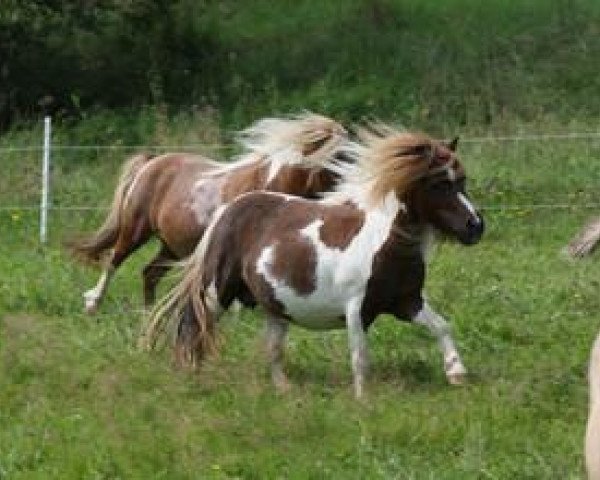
[93,296]
[129,241]
[276,334]
[455,370]
[154,271]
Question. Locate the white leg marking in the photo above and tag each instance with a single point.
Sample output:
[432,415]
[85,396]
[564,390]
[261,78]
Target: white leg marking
[93,296]
[453,366]
[357,342]
[211,299]
[276,334]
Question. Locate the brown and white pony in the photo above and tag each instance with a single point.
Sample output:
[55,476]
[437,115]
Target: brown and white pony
[592,435]
[173,196]
[336,262]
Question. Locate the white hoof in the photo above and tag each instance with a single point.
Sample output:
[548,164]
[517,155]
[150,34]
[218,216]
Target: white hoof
[456,373]
[457,378]
[282,385]
[90,303]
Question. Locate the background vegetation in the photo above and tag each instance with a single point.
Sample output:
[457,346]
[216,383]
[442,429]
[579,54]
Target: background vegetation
[77,400]
[458,62]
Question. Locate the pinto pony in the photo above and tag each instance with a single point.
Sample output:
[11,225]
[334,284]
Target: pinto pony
[336,262]
[173,196]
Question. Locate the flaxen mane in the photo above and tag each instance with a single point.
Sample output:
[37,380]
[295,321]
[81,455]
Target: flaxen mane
[385,160]
[307,139]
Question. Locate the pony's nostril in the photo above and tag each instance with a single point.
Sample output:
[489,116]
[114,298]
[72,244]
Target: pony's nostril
[475,226]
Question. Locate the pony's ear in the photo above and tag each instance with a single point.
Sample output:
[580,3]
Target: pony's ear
[452,144]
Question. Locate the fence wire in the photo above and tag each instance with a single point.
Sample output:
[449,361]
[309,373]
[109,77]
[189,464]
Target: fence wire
[504,166]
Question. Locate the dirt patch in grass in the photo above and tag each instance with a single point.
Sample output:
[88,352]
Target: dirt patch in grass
[22,335]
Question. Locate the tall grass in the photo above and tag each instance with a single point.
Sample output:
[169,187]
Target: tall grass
[428,63]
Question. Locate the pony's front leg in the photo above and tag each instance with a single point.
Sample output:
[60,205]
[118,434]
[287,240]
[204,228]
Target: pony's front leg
[455,370]
[276,334]
[357,342]
[94,295]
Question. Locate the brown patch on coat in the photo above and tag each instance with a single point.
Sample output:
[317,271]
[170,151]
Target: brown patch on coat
[165,193]
[293,180]
[247,227]
[341,226]
[246,178]
[397,278]
[294,263]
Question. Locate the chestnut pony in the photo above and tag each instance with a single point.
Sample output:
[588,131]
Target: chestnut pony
[337,262]
[173,196]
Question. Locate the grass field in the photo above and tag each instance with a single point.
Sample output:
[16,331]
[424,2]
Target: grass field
[78,400]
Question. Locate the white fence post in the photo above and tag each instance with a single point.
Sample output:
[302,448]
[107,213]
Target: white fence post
[45,182]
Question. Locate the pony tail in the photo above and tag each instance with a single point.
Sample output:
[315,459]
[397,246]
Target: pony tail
[92,248]
[585,241]
[189,293]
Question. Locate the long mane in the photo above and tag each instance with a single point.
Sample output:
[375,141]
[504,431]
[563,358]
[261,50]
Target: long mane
[305,139]
[384,159]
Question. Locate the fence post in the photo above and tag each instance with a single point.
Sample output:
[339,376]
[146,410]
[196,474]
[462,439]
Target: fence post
[45,182]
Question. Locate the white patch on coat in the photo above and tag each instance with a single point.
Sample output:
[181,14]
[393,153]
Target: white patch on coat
[468,205]
[340,274]
[205,197]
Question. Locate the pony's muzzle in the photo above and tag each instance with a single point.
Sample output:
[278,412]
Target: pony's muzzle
[475,229]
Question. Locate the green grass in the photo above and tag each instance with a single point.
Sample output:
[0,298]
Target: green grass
[423,62]
[78,400]
[427,63]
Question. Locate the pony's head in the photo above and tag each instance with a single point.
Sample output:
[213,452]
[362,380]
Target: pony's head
[440,197]
[423,174]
